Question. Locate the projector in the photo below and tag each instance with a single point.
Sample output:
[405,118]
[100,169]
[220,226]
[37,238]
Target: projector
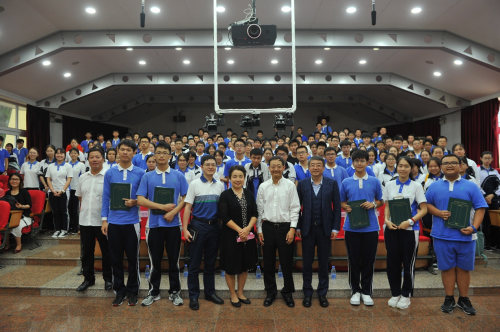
[253,35]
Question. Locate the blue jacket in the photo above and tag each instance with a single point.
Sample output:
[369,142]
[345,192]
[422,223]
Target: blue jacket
[331,213]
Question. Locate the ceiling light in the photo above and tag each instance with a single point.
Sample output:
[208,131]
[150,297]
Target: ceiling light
[155,10]
[277,48]
[90,10]
[362,62]
[130,49]
[178,48]
[436,73]
[351,10]
[46,63]
[319,62]
[221,9]
[274,61]
[187,62]
[458,62]
[286,9]
[327,48]
[142,62]
[416,10]
[67,74]
[375,48]
[228,48]
[230,62]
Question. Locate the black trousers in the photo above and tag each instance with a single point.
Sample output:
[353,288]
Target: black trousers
[361,253]
[275,238]
[402,249]
[59,211]
[88,236]
[159,239]
[316,237]
[206,247]
[125,238]
[491,233]
[73,205]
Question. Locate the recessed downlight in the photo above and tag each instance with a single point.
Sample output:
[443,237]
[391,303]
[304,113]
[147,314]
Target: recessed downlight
[416,10]
[277,48]
[142,62]
[155,10]
[130,49]
[458,62]
[274,61]
[362,62]
[186,62]
[67,74]
[230,62]
[436,73]
[46,63]
[178,48]
[351,10]
[228,48]
[327,48]
[90,10]
[375,48]
[286,9]
[221,9]
[319,62]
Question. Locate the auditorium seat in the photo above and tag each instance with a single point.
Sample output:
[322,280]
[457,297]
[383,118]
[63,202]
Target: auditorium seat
[4,179]
[8,219]
[39,207]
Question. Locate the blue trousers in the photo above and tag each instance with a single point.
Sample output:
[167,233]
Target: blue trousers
[207,243]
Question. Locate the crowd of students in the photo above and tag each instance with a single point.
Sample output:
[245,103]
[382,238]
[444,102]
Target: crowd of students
[275,184]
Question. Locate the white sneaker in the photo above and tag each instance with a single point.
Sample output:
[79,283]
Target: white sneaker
[367,299]
[356,299]
[56,234]
[393,302]
[404,302]
[63,234]
[176,299]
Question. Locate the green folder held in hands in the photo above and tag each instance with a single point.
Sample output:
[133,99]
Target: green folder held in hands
[119,191]
[358,217]
[163,196]
[460,213]
[400,210]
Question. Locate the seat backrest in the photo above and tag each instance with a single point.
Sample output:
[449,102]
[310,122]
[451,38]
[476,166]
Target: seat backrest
[4,214]
[37,201]
[4,179]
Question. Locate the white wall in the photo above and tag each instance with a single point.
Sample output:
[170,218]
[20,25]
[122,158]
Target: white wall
[56,135]
[452,128]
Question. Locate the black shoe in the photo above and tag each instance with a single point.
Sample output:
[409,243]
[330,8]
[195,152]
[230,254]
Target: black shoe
[289,302]
[235,304]
[85,284]
[269,300]
[448,305]
[464,304]
[214,298]
[119,300]
[247,301]
[307,302]
[108,285]
[323,301]
[132,299]
[193,304]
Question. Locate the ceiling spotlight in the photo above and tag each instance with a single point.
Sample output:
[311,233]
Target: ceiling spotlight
[416,10]
[230,62]
[155,10]
[187,62]
[327,48]
[228,48]
[221,9]
[457,62]
[277,48]
[274,61]
[46,63]
[375,48]
[142,62]
[178,48]
[351,10]
[286,9]
[90,10]
[67,74]
[362,62]
[130,49]
[319,62]
[436,73]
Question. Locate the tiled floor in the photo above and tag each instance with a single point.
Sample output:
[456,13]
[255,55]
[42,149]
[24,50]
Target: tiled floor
[35,313]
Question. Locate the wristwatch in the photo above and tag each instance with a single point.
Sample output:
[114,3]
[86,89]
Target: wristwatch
[374,204]
[412,222]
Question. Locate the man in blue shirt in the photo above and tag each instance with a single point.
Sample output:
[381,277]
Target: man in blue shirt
[200,152]
[361,242]
[85,144]
[4,158]
[332,170]
[116,139]
[325,128]
[123,227]
[239,159]
[203,197]
[21,152]
[229,133]
[302,136]
[455,248]
[302,168]
[344,160]
[164,227]
[139,159]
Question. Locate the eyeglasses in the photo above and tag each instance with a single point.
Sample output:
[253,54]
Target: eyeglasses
[301,152]
[390,159]
[162,153]
[452,163]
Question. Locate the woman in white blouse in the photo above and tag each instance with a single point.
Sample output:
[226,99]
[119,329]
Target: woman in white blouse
[30,170]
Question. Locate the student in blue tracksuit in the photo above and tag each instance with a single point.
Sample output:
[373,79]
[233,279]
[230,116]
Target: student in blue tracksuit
[351,169]
[163,231]
[85,144]
[332,170]
[139,159]
[21,152]
[455,248]
[200,152]
[116,139]
[239,159]
[361,243]
[302,168]
[123,227]
[344,159]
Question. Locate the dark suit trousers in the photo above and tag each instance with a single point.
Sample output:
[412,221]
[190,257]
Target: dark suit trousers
[316,237]
[491,237]
[361,253]
[275,238]
[88,235]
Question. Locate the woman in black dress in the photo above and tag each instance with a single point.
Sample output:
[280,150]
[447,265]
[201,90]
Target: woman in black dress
[238,211]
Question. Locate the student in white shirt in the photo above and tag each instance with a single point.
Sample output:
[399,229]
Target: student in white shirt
[380,166]
[219,158]
[111,159]
[401,237]
[30,170]
[89,193]
[289,170]
[81,156]
[459,150]
[50,151]
[389,171]
[425,156]
[78,169]
[59,176]
[416,172]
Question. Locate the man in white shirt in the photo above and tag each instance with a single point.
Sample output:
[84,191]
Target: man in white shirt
[278,206]
[89,193]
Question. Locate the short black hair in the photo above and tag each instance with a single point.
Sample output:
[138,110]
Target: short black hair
[240,141]
[366,135]
[282,148]
[222,144]
[256,152]
[301,147]
[237,168]
[101,151]
[316,158]
[277,158]
[428,140]
[485,153]
[200,143]
[293,141]
[397,138]
[442,137]
[451,155]
[207,157]
[321,144]
[20,140]
[330,148]
[163,145]
[128,143]
[345,142]
[145,137]
[360,154]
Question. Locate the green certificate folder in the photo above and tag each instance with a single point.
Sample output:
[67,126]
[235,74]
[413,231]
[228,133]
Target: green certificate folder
[400,210]
[358,217]
[163,196]
[119,191]
[460,213]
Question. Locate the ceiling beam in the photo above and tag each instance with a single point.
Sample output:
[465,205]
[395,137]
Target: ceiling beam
[109,39]
[394,80]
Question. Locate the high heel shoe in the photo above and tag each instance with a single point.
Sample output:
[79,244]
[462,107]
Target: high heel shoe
[18,251]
